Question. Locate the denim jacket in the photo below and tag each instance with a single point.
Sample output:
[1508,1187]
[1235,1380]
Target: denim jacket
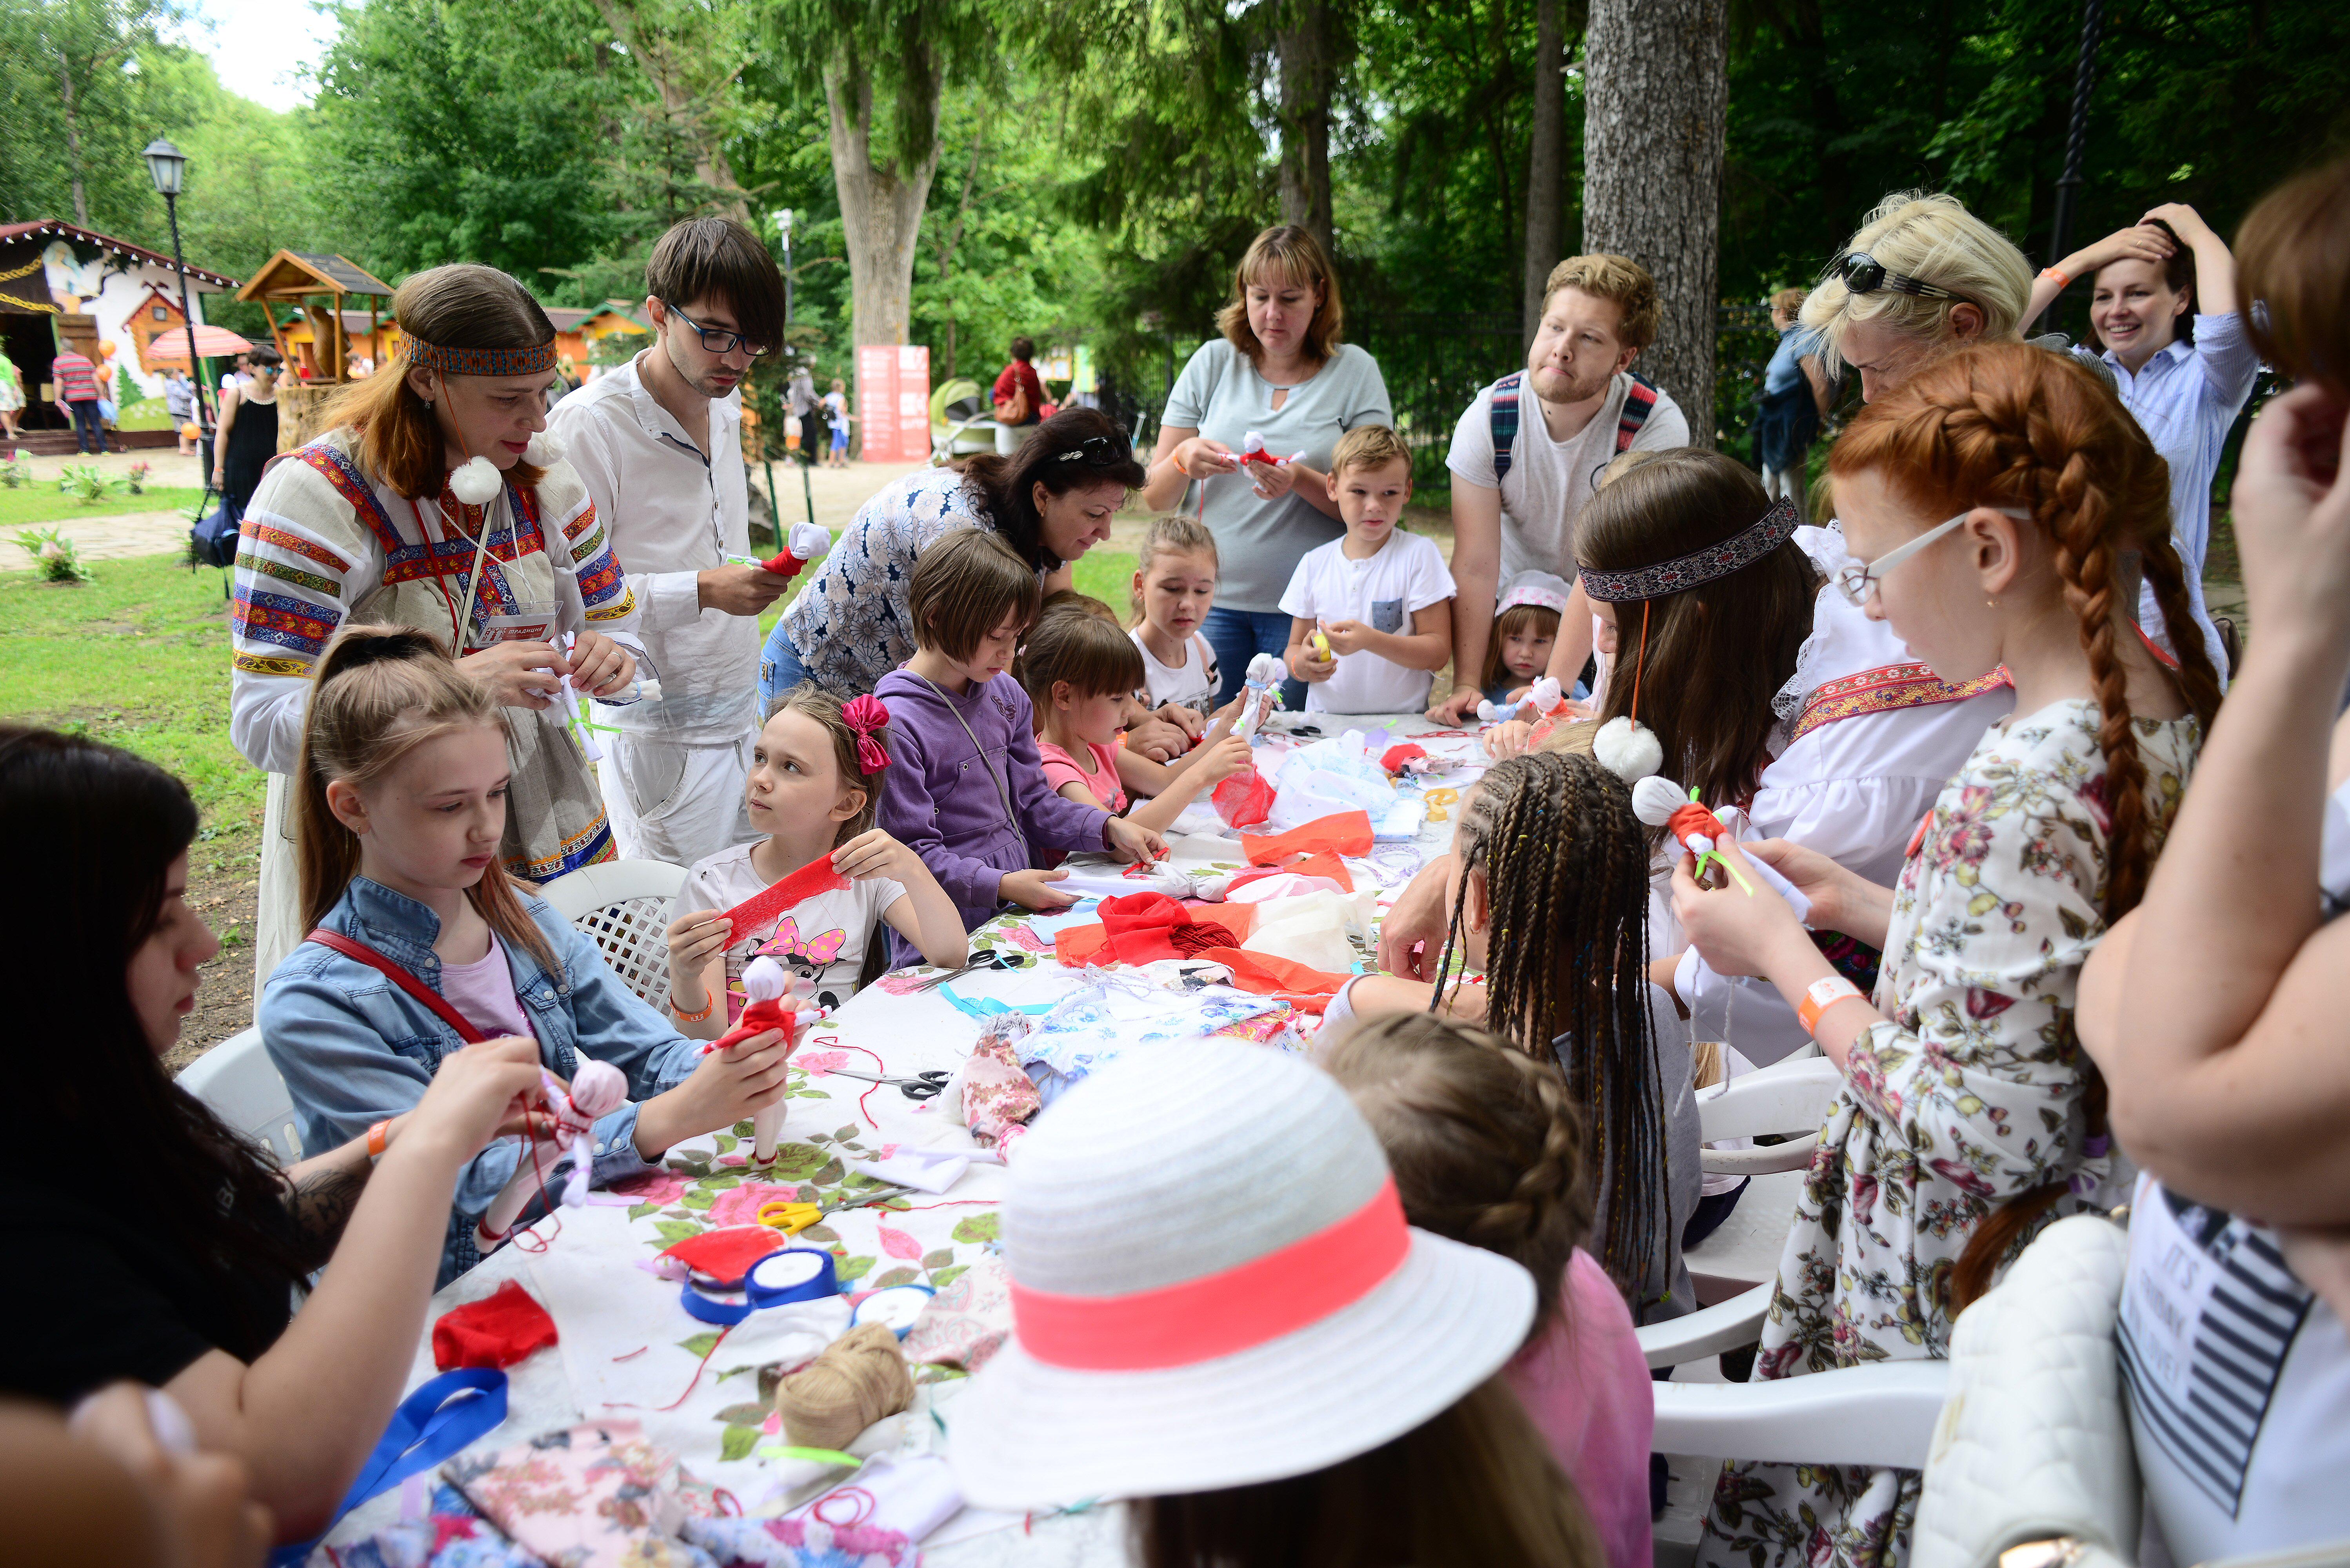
[354,1048]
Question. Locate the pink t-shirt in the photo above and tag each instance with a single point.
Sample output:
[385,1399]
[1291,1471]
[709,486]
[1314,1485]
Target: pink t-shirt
[1062,767]
[484,991]
[1585,1384]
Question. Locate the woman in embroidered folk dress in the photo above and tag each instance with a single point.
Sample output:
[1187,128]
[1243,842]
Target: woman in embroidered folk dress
[368,523]
[1969,1117]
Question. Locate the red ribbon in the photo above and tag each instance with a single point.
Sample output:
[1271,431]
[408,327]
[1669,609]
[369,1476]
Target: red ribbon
[1222,1313]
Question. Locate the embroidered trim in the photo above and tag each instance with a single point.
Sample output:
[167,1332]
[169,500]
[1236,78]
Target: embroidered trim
[530,361]
[254,664]
[247,561]
[1683,573]
[589,844]
[1885,689]
[263,534]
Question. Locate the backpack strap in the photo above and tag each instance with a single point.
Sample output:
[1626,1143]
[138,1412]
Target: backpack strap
[400,977]
[1503,420]
[1639,402]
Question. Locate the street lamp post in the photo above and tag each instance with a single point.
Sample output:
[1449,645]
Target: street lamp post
[784,225]
[166,165]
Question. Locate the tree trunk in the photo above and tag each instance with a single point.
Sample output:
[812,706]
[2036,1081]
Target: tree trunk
[1545,154]
[659,57]
[73,140]
[1308,56]
[1656,90]
[880,209]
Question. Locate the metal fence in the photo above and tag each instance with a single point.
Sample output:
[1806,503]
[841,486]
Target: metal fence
[1435,363]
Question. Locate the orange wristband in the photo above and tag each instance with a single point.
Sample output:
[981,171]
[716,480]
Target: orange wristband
[2062,281]
[378,1138]
[1821,995]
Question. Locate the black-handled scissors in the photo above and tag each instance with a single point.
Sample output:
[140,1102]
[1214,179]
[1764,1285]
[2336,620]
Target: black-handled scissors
[986,958]
[921,1086]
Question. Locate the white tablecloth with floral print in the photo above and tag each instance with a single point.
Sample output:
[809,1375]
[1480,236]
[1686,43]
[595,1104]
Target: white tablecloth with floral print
[629,1347]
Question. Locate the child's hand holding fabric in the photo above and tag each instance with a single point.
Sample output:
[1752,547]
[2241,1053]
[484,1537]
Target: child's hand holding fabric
[1132,841]
[1033,890]
[727,1087]
[876,854]
[694,938]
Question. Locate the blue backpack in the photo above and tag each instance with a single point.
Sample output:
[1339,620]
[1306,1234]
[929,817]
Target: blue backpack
[212,540]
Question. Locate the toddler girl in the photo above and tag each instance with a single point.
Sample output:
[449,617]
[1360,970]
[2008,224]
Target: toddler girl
[1078,671]
[402,797]
[815,787]
[1990,502]
[1549,855]
[966,791]
[1487,1148]
[1174,588]
[1518,654]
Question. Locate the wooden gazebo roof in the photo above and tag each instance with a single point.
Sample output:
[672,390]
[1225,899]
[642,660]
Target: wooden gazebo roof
[293,275]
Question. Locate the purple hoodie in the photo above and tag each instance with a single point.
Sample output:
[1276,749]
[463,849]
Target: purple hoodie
[939,798]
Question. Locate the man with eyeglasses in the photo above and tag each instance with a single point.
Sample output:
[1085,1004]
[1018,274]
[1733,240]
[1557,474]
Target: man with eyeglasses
[659,442]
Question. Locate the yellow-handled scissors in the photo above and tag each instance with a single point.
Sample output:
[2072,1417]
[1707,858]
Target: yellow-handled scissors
[792,1218]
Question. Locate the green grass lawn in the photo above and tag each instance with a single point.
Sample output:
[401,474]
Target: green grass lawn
[44,503]
[138,658]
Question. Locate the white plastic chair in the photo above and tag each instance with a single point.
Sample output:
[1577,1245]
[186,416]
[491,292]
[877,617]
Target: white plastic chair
[241,1084]
[1790,1096]
[623,906]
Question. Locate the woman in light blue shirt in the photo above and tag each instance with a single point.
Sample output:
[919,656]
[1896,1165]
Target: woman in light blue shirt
[2164,309]
[1278,369]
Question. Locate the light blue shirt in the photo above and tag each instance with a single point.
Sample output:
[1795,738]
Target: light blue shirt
[1258,543]
[1786,368]
[355,1049]
[2186,397]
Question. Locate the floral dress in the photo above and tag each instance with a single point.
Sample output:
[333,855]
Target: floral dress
[1966,1096]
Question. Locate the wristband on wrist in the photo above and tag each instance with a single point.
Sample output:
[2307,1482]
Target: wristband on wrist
[1821,995]
[378,1138]
[708,1002]
[2062,281]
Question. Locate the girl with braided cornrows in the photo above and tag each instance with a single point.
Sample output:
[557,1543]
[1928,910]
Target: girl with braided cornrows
[1487,1147]
[1993,499]
[1548,897]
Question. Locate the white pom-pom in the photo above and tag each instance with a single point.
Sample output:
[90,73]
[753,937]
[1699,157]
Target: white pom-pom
[1655,799]
[598,1089]
[764,980]
[809,540]
[544,449]
[1252,442]
[477,482]
[1267,668]
[1546,694]
[648,690]
[1630,751]
[1487,713]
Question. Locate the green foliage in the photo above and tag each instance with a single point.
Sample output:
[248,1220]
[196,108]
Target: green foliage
[87,482]
[54,555]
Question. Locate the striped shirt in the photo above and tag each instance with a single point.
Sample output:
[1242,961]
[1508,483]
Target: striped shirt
[76,377]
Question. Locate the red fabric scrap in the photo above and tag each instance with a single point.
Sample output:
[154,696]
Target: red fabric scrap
[1083,947]
[1308,990]
[1244,800]
[496,1332]
[783,564]
[1342,833]
[768,906]
[1397,755]
[726,1255]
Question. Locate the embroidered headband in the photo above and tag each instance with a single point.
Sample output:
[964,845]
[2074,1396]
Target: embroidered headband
[864,715]
[1683,573]
[528,361]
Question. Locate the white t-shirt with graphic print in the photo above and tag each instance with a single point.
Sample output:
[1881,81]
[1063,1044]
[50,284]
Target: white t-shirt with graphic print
[822,938]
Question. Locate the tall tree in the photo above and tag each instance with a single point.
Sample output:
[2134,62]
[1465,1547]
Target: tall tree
[882,67]
[1545,158]
[691,55]
[80,104]
[1655,94]
[1310,43]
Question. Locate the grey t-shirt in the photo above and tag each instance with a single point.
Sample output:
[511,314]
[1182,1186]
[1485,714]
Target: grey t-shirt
[1258,543]
[1549,480]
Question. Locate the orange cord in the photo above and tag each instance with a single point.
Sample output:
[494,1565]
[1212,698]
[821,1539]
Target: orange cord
[1640,661]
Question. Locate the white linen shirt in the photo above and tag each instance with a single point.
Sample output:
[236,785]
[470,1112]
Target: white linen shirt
[1854,789]
[1383,591]
[2186,397]
[672,514]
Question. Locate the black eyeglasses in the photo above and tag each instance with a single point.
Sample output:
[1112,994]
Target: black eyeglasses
[1863,274]
[1098,451]
[718,339]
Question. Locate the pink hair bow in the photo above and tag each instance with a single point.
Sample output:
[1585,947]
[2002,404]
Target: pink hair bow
[864,715]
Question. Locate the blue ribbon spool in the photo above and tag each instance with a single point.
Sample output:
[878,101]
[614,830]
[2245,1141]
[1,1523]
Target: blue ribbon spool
[895,1307]
[787,1279]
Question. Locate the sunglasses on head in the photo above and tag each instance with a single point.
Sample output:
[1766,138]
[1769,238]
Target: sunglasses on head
[1095,451]
[1863,274]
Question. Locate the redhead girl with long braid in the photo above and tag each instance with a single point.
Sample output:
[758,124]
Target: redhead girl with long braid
[1990,502]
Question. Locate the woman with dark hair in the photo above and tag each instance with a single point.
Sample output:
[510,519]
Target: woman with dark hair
[1278,369]
[432,503]
[247,438]
[1051,501]
[180,1257]
[2162,309]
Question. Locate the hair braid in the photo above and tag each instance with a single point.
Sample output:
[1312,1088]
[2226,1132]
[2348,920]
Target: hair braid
[1566,869]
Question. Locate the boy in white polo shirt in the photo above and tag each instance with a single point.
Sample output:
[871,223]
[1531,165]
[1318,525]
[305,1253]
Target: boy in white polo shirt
[1372,614]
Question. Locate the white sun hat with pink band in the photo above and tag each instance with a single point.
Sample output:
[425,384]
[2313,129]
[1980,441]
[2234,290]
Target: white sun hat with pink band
[1212,1285]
